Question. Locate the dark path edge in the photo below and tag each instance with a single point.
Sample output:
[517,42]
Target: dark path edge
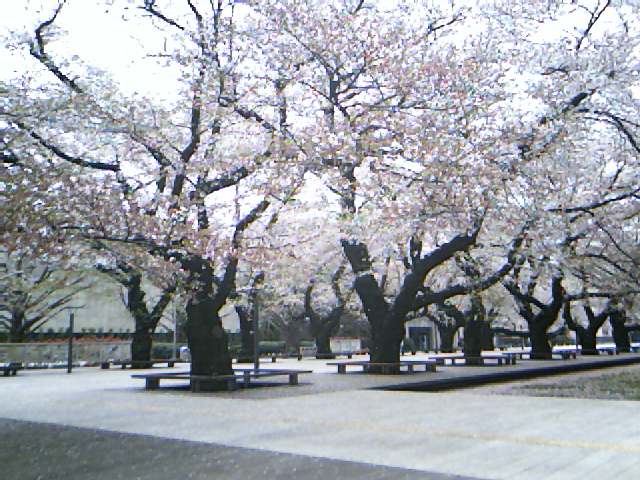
[567,366]
[50,451]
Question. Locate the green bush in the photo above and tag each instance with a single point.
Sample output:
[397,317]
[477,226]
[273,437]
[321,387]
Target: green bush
[163,350]
[408,345]
[307,343]
[272,346]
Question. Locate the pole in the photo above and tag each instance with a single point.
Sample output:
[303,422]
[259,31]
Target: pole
[254,324]
[70,347]
[175,330]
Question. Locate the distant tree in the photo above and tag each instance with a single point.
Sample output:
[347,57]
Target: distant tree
[618,320]
[247,315]
[587,335]
[324,326]
[33,292]
[146,319]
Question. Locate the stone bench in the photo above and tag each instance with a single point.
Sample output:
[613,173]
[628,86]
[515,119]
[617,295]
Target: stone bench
[143,364]
[386,367]
[501,358]
[152,380]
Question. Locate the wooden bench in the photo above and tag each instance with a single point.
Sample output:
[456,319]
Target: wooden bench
[152,380]
[125,363]
[10,369]
[386,367]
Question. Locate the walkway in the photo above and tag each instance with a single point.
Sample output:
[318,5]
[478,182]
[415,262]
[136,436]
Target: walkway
[456,433]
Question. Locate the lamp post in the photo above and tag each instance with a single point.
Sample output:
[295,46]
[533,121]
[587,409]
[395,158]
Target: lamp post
[70,346]
[175,330]
[255,320]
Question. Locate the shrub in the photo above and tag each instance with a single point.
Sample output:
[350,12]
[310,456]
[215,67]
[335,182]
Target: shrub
[272,346]
[408,345]
[163,350]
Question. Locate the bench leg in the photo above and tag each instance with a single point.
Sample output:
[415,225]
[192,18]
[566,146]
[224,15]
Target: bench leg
[409,368]
[342,369]
[124,366]
[6,372]
[431,367]
[273,359]
[349,356]
[293,379]
[246,376]
[105,365]
[152,383]
[170,364]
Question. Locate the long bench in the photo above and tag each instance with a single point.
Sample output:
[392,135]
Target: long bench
[10,369]
[503,357]
[142,364]
[152,380]
[313,353]
[386,367]
[563,354]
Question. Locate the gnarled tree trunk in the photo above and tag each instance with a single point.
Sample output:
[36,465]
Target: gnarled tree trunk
[617,319]
[447,333]
[540,345]
[208,341]
[324,327]
[540,322]
[586,336]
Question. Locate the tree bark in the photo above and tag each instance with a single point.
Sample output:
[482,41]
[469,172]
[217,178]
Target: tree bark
[540,345]
[447,333]
[487,336]
[324,327]
[16,330]
[617,319]
[473,333]
[540,322]
[146,321]
[207,339]
[586,336]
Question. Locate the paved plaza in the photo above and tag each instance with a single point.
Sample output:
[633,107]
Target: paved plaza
[332,426]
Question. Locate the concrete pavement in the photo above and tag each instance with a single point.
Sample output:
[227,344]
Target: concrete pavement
[454,433]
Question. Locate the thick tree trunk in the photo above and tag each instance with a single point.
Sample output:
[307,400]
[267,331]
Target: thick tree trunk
[16,335]
[588,341]
[473,332]
[141,348]
[487,336]
[617,319]
[208,341]
[323,344]
[16,327]
[540,345]
[385,344]
[145,321]
[447,334]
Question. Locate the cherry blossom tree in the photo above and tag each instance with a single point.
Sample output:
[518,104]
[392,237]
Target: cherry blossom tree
[158,178]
